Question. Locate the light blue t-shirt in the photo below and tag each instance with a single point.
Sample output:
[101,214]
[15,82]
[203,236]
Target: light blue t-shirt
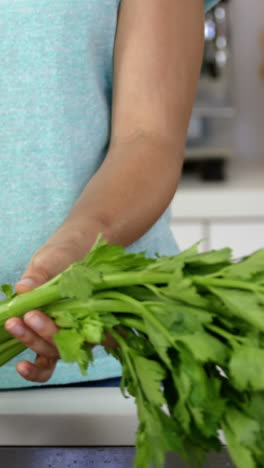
[210,3]
[56,61]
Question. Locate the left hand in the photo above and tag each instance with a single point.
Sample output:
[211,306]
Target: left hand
[35,329]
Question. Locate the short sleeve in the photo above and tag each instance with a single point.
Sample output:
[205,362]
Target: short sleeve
[210,3]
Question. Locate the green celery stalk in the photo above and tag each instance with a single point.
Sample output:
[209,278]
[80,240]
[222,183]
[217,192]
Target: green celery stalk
[50,292]
[22,303]
[10,349]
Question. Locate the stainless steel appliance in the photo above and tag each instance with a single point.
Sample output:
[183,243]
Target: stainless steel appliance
[210,136]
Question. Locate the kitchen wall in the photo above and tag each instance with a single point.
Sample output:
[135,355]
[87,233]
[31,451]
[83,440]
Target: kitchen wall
[247,23]
[230,212]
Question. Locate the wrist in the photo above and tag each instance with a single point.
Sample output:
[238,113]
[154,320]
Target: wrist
[73,234]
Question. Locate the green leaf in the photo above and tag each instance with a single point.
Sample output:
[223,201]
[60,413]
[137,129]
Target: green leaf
[199,397]
[112,258]
[85,357]
[168,265]
[196,450]
[246,268]
[79,282]
[213,408]
[109,320]
[157,435]
[65,319]
[256,407]
[243,304]
[260,297]
[184,291]
[179,319]
[188,253]
[139,343]
[183,386]
[69,343]
[151,375]
[173,264]
[205,348]
[210,258]
[7,289]
[242,435]
[258,278]
[243,427]
[240,455]
[92,330]
[159,342]
[246,368]
[196,374]
[127,386]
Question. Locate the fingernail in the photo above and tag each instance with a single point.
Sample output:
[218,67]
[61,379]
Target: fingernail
[17,329]
[35,321]
[27,282]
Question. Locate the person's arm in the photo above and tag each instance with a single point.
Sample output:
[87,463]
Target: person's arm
[158,54]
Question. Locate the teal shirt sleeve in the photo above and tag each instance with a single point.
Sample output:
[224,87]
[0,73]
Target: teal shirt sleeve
[210,3]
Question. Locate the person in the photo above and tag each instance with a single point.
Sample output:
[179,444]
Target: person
[96,98]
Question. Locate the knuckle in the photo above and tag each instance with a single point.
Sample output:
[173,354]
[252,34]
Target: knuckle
[43,369]
[37,376]
[29,340]
[43,378]
[52,353]
[47,335]
[38,264]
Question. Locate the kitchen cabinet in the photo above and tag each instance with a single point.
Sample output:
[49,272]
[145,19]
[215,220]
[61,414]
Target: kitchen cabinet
[188,233]
[226,214]
[243,237]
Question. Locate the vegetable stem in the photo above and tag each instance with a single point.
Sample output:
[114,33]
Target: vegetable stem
[10,352]
[22,303]
[226,283]
[132,278]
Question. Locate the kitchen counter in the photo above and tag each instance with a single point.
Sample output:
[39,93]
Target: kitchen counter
[241,195]
[67,416]
[74,428]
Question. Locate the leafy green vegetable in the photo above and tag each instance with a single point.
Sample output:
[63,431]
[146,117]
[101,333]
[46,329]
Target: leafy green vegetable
[246,368]
[190,334]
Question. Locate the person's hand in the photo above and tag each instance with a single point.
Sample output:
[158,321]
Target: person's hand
[35,329]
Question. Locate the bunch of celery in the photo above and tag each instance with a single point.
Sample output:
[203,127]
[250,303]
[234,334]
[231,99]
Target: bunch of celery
[191,343]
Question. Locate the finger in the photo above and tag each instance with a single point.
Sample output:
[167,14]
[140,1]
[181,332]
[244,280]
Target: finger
[109,341]
[53,258]
[43,325]
[38,271]
[32,340]
[40,371]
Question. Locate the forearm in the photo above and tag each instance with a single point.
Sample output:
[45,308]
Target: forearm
[130,191]
[153,94]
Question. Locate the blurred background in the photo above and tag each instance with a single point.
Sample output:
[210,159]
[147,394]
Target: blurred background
[221,193]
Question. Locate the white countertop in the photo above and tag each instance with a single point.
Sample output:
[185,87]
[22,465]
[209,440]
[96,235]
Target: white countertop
[240,196]
[67,416]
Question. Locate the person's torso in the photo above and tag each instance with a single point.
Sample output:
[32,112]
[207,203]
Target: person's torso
[55,101]
[55,105]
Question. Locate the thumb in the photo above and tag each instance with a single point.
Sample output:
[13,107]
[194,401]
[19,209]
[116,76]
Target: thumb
[46,263]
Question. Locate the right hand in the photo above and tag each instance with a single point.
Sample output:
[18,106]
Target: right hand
[35,329]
